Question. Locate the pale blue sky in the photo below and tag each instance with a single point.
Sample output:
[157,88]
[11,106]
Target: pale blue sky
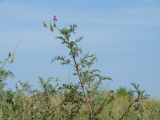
[123,33]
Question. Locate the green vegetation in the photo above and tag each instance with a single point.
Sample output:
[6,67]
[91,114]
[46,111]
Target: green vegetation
[81,100]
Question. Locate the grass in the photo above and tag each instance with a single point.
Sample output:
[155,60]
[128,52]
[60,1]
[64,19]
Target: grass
[17,106]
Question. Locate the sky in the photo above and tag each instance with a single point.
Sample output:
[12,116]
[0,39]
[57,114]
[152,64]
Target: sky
[124,34]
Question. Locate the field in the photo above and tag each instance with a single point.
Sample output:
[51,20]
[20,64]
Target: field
[45,106]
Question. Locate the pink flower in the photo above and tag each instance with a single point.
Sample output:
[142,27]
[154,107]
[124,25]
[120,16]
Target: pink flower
[54,17]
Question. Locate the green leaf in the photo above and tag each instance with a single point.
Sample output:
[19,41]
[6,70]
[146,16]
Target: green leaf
[51,28]
[45,24]
[11,57]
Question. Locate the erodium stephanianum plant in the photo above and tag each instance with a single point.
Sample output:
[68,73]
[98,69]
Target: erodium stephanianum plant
[89,78]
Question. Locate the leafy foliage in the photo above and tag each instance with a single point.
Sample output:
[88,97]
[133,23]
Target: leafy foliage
[82,100]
